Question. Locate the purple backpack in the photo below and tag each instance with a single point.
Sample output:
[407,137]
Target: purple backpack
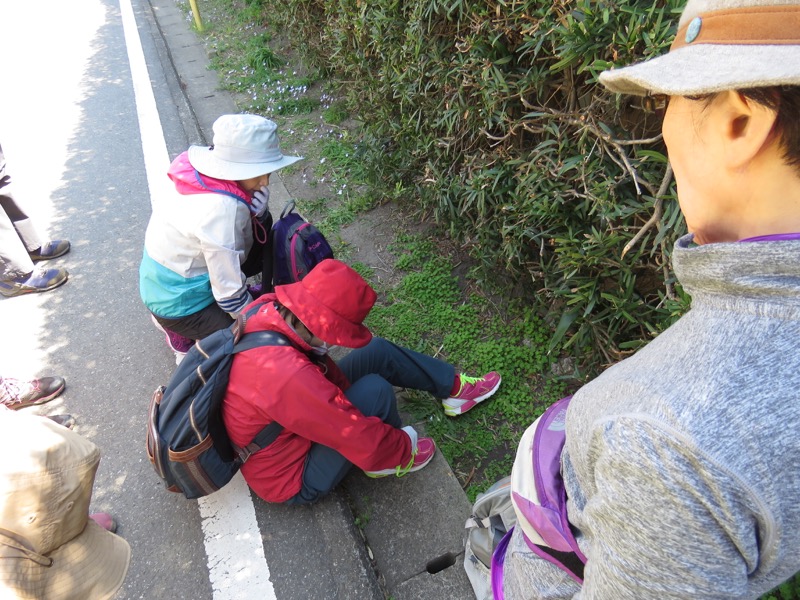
[297,247]
[540,500]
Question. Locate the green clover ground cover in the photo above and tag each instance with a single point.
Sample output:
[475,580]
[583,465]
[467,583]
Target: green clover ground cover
[428,312]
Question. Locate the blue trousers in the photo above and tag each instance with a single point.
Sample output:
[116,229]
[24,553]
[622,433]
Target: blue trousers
[373,372]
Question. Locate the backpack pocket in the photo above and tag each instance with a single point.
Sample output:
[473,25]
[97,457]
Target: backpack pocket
[538,493]
[153,446]
[195,474]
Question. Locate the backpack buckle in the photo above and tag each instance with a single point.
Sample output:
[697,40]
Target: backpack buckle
[246,452]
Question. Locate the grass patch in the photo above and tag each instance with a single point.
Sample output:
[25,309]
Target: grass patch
[339,167]
[428,312]
[336,113]
[789,590]
[242,53]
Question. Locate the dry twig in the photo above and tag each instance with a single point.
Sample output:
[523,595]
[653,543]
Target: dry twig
[657,210]
[619,155]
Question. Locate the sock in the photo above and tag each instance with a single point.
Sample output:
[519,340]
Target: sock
[456,385]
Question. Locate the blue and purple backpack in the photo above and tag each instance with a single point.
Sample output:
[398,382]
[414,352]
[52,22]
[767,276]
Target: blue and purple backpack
[297,247]
[540,500]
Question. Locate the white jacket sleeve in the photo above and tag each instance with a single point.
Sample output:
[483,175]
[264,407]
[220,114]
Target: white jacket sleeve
[225,238]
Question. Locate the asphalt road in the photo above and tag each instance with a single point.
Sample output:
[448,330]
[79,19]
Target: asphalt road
[84,150]
[91,112]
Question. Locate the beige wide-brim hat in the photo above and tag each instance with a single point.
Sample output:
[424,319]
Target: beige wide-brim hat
[49,547]
[244,146]
[721,45]
[91,565]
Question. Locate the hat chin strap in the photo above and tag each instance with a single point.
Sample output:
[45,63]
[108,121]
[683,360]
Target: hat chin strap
[15,546]
[751,25]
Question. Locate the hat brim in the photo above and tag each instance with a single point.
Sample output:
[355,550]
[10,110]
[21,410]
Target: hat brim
[91,565]
[320,320]
[706,69]
[204,160]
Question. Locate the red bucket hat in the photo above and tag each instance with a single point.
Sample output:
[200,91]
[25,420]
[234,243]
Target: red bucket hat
[332,301]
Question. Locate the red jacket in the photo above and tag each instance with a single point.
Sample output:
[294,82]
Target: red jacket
[284,384]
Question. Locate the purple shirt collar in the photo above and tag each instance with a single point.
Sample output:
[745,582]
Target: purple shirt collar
[775,237]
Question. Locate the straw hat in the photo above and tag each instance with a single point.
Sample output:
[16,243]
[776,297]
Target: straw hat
[721,45]
[244,146]
[49,548]
[332,301]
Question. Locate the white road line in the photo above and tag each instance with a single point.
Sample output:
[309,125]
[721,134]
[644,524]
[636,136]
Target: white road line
[156,157]
[236,564]
[237,567]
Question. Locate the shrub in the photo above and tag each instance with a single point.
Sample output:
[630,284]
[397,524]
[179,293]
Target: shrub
[489,116]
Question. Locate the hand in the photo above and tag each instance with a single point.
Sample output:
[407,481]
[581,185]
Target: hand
[412,433]
[260,202]
[255,290]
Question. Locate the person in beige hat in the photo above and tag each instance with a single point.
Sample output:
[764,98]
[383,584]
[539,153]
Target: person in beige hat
[680,463]
[49,547]
[207,237]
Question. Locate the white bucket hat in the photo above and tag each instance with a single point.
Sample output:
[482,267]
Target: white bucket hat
[721,45]
[49,548]
[244,146]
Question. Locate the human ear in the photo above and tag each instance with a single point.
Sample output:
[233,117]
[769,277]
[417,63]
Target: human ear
[748,128]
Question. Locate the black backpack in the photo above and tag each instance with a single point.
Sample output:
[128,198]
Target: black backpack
[186,438]
[297,247]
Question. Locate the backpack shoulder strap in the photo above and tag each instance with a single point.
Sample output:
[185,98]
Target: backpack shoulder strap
[268,259]
[289,207]
[260,338]
[271,432]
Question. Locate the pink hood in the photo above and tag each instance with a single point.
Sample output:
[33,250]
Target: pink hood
[189,180]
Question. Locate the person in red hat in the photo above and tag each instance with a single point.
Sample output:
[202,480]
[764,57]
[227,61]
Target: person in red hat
[335,415]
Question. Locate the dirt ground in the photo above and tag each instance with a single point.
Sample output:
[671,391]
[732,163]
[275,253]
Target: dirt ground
[368,238]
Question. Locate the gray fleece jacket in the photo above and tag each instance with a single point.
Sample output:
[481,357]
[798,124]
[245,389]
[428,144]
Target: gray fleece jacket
[682,463]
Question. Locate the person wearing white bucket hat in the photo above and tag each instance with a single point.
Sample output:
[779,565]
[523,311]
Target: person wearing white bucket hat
[680,462]
[49,547]
[245,147]
[200,246]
